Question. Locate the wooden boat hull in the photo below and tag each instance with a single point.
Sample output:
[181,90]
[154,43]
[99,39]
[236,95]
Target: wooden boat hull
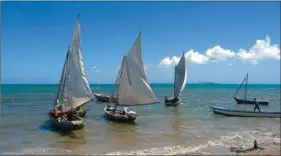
[239,113]
[80,113]
[243,101]
[66,125]
[104,98]
[171,103]
[117,116]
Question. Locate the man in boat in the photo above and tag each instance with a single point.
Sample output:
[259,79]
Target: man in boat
[128,112]
[108,107]
[257,105]
[176,99]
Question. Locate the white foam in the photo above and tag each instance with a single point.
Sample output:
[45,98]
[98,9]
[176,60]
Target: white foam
[242,139]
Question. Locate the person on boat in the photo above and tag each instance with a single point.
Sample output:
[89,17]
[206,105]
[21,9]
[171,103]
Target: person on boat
[108,107]
[257,105]
[129,113]
[59,104]
[125,110]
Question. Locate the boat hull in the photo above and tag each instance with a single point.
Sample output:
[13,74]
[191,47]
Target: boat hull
[66,125]
[104,98]
[239,113]
[169,102]
[80,113]
[117,117]
[243,101]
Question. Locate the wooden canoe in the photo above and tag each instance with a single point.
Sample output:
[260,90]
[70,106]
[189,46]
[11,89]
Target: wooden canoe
[104,98]
[245,101]
[118,116]
[66,125]
[170,102]
[241,113]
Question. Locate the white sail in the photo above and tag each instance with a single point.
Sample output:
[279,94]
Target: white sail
[76,90]
[133,86]
[180,76]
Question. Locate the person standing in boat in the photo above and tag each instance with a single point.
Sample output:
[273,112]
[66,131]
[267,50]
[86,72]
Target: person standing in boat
[125,110]
[257,105]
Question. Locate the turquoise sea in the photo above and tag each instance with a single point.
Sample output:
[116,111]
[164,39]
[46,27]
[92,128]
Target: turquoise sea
[190,128]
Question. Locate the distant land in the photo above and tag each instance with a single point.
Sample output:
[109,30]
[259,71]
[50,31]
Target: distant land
[149,83]
[207,83]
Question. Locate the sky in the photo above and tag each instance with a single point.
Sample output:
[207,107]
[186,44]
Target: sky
[222,41]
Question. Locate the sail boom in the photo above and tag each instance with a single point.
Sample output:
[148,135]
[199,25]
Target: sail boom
[84,103]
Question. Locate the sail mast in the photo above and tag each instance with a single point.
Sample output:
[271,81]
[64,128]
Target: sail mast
[115,84]
[246,87]
[121,69]
[240,85]
[175,81]
[62,77]
[76,91]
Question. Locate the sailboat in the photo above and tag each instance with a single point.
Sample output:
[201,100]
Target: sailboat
[245,100]
[104,97]
[74,90]
[133,88]
[179,82]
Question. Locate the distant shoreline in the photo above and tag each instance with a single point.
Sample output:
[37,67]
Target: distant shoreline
[201,83]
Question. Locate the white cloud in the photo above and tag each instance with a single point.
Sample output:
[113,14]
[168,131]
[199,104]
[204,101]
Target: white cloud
[167,62]
[219,54]
[195,57]
[262,50]
[214,54]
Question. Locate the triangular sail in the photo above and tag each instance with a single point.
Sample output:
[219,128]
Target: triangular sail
[133,86]
[180,76]
[76,89]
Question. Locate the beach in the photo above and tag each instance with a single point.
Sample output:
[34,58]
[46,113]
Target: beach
[270,150]
[190,128]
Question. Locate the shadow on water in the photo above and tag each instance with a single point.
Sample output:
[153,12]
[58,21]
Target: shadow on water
[47,126]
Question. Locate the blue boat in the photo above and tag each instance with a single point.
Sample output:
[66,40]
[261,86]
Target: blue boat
[241,113]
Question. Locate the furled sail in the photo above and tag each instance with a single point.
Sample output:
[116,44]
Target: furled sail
[76,89]
[180,76]
[134,88]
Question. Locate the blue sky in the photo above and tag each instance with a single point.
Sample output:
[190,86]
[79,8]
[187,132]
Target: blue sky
[35,36]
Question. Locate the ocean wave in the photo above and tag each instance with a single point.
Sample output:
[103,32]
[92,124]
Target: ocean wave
[235,139]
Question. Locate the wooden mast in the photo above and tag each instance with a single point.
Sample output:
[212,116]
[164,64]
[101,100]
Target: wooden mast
[246,87]
[62,77]
[240,85]
[121,69]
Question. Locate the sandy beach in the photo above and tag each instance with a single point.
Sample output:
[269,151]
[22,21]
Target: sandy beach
[270,150]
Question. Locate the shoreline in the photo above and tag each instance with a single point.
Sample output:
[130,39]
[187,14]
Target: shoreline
[273,149]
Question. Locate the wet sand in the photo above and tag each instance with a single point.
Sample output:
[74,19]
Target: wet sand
[270,150]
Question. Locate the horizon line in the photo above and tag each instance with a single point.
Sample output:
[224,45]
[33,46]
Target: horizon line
[150,83]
